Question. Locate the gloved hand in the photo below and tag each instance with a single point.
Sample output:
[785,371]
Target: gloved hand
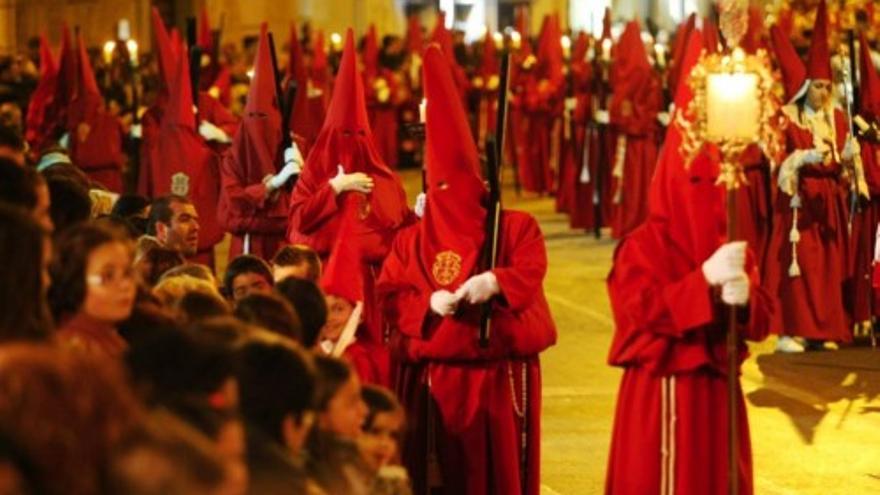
[570,103]
[281,178]
[726,263]
[136,131]
[479,288]
[357,181]
[211,132]
[419,207]
[849,150]
[663,118]
[444,303]
[292,154]
[602,117]
[813,157]
[736,292]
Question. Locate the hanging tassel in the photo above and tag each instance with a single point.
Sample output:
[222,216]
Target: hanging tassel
[794,236]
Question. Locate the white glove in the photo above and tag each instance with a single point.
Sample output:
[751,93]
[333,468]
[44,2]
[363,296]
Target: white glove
[357,181]
[736,292]
[444,303]
[570,103]
[419,207]
[602,117]
[479,288]
[211,132]
[663,118]
[292,154]
[812,157]
[281,178]
[849,150]
[726,263]
[136,131]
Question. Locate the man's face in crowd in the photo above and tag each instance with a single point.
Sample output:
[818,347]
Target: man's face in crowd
[249,283]
[182,233]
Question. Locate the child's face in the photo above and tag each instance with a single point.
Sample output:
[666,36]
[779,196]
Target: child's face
[346,412]
[378,443]
[338,312]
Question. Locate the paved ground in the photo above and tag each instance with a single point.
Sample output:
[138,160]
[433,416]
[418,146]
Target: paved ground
[815,418]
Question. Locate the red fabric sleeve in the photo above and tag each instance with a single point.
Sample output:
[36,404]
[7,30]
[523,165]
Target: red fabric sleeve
[243,199]
[525,266]
[688,303]
[644,104]
[309,210]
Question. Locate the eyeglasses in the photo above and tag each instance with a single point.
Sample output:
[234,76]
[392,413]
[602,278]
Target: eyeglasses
[110,277]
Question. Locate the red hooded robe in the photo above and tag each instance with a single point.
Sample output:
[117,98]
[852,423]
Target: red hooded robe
[482,401]
[636,100]
[256,217]
[95,135]
[807,276]
[669,431]
[346,140]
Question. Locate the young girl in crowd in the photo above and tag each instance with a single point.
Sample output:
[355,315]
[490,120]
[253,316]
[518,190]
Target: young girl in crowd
[93,288]
[379,442]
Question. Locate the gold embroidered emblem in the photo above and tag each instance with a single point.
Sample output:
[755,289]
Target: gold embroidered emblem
[447,266]
[180,184]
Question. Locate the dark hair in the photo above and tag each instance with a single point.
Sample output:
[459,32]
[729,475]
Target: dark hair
[309,303]
[146,319]
[332,373]
[23,311]
[161,260]
[298,254]
[275,379]
[70,202]
[11,138]
[200,415]
[271,312]
[378,400]
[72,250]
[128,205]
[67,171]
[161,211]
[18,185]
[245,263]
[171,364]
[196,306]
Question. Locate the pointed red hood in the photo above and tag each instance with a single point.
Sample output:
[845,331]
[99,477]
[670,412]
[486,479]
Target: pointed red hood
[165,54]
[684,202]
[489,57]
[442,37]
[345,139]
[179,111]
[753,39]
[711,37]
[41,116]
[869,92]
[453,227]
[630,68]
[580,47]
[319,53]
[343,275]
[206,38]
[371,53]
[793,71]
[87,99]
[550,56]
[786,22]
[296,67]
[521,23]
[256,145]
[414,39]
[682,35]
[606,24]
[819,56]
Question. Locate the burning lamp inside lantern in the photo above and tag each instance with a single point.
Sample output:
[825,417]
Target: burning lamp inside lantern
[732,106]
